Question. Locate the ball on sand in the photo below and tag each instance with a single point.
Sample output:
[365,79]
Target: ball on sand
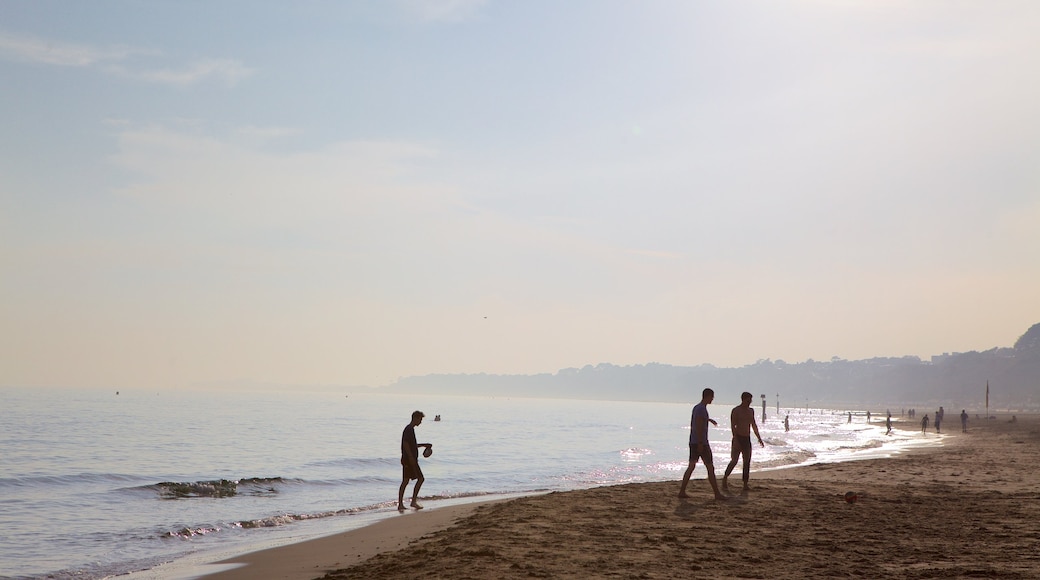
[851,496]
[427,452]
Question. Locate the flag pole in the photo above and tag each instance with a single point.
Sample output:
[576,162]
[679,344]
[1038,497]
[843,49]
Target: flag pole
[987,399]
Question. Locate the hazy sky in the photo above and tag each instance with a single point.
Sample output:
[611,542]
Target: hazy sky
[309,192]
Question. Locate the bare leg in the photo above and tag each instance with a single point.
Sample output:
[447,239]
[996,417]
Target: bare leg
[711,480]
[734,455]
[400,494]
[415,493]
[686,478]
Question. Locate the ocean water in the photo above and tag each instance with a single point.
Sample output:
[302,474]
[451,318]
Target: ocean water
[95,484]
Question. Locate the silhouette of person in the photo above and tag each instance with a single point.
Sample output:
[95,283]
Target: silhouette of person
[742,421]
[888,424]
[924,424]
[964,421]
[410,462]
[868,416]
[787,423]
[699,448]
[938,421]
[850,416]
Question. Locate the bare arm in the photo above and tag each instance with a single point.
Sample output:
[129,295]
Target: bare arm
[754,425]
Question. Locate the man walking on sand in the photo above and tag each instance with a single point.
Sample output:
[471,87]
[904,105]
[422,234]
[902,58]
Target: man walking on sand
[410,462]
[742,421]
[699,448]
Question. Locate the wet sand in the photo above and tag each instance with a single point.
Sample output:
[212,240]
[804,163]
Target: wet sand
[968,509]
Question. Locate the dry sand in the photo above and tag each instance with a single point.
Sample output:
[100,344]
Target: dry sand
[968,509]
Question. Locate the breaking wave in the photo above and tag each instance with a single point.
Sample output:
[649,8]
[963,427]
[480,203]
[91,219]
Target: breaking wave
[217,488]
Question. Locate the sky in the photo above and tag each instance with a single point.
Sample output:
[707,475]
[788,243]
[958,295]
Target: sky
[345,193]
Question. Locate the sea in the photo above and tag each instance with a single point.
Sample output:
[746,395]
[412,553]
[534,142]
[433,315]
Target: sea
[103,483]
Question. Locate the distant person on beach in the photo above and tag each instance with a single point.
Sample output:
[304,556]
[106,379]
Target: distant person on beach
[868,416]
[938,421]
[787,423]
[964,421]
[742,422]
[850,416]
[888,424]
[410,461]
[924,424]
[699,448]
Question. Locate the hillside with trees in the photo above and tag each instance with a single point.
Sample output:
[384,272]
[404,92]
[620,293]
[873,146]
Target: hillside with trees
[956,380]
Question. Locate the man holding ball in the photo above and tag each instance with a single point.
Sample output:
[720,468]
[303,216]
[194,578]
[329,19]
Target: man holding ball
[410,461]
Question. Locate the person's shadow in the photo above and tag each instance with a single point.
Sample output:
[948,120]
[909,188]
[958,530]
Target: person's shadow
[686,510]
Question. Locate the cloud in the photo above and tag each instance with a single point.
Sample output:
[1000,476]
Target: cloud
[442,10]
[654,254]
[265,133]
[228,71]
[32,49]
[120,60]
[231,178]
[382,211]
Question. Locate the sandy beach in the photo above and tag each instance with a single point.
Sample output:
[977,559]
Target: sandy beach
[967,509]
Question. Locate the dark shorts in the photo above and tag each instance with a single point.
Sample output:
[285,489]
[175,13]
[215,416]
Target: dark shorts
[409,471]
[742,444]
[704,456]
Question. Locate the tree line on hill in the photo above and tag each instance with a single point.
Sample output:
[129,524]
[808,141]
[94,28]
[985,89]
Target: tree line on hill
[956,380]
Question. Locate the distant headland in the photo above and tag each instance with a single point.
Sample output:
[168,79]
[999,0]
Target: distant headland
[956,380]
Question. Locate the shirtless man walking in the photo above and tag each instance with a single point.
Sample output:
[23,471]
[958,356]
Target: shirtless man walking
[742,421]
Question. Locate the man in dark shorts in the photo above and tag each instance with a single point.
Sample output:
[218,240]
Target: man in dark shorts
[410,461]
[699,448]
[742,421]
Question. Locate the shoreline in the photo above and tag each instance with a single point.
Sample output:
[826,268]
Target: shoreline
[298,559]
[964,509]
[312,557]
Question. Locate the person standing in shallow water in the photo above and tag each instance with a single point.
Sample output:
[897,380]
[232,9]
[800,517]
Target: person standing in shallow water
[410,462]
[742,421]
[699,448]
